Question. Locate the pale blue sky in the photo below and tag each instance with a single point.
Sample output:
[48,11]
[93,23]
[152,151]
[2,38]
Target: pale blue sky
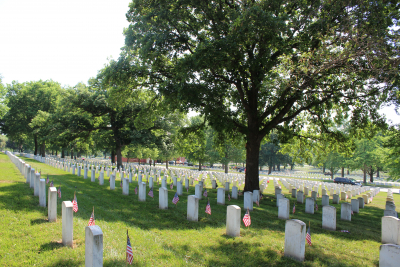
[66,41]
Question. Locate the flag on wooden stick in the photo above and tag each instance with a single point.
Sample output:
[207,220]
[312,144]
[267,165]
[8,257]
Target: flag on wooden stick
[75,204]
[129,253]
[91,220]
[308,236]
[208,208]
[246,219]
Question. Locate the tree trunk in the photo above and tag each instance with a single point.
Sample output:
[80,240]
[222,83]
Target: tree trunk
[365,174]
[252,159]
[112,156]
[348,171]
[377,172]
[44,149]
[226,168]
[278,166]
[72,154]
[166,164]
[371,175]
[36,145]
[62,153]
[154,163]
[273,167]
[127,160]
[199,166]
[342,171]
[119,156]
[323,169]
[269,169]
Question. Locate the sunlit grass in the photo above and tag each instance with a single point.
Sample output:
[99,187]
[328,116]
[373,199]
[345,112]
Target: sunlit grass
[165,237]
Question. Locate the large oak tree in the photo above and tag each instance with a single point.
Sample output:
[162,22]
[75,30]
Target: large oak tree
[253,66]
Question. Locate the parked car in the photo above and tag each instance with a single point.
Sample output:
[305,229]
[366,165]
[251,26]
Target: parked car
[242,169]
[344,180]
[190,164]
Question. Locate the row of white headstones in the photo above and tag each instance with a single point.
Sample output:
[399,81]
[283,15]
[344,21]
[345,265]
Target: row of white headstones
[295,230]
[389,254]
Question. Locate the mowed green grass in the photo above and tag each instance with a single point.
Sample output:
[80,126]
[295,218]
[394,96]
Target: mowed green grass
[165,237]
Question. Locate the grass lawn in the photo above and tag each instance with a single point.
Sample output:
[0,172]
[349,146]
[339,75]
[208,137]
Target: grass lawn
[165,237]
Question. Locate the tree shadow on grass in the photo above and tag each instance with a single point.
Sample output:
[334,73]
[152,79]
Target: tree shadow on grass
[38,221]
[67,263]
[51,246]
[114,262]
[111,205]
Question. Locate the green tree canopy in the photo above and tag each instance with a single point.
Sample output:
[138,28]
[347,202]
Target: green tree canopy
[255,66]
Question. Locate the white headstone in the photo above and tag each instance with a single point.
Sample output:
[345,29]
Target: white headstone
[300,197]
[125,186]
[112,182]
[283,208]
[355,206]
[389,255]
[295,238]
[233,221]
[390,230]
[325,200]
[163,198]
[93,246]
[142,191]
[67,223]
[93,175]
[37,182]
[42,193]
[248,200]
[221,196]
[234,192]
[197,191]
[193,208]
[335,199]
[310,205]
[329,218]
[345,212]
[179,188]
[52,205]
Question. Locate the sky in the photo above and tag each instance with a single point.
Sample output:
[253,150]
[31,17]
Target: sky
[66,41]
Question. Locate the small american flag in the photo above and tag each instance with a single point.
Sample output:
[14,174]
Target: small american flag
[294,208]
[47,181]
[267,181]
[175,199]
[308,236]
[229,197]
[151,194]
[136,190]
[129,253]
[246,219]
[75,204]
[59,192]
[208,208]
[91,220]
[352,212]
[205,193]
[171,186]
[51,184]
[316,206]
[258,203]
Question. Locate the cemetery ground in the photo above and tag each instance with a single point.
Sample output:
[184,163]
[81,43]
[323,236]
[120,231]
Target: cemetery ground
[166,237]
